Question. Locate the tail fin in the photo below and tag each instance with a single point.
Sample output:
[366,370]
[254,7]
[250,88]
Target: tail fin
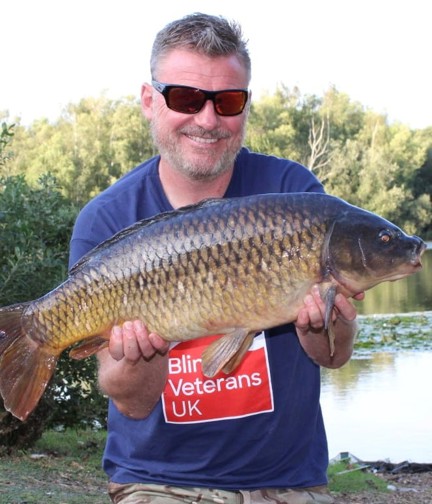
[25,366]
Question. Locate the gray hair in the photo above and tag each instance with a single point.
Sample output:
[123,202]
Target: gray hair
[206,34]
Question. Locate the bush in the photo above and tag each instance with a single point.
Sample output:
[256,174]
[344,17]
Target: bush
[35,228]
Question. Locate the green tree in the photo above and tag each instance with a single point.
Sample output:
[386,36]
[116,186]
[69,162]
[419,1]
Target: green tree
[355,151]
[88,148]
[377,166]
[281,124]
[6,134]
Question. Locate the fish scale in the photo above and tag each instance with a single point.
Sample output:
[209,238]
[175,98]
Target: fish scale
[231,267]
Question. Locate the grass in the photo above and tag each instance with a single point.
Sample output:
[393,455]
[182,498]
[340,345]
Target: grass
[347,477]
[62,468]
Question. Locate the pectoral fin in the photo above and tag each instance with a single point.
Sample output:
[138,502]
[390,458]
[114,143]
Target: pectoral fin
[329,298]
[88,347]
[226,352]
[239,355]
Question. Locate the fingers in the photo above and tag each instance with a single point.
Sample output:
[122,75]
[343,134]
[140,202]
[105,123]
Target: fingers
[132,341]
[316,308]
[346,310]
[312,314]
[116,343]
[148,343]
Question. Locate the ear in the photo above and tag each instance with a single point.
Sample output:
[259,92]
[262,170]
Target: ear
[147,100]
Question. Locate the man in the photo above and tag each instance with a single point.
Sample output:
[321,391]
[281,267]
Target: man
[256,435]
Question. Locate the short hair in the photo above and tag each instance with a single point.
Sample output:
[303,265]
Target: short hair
[204,33]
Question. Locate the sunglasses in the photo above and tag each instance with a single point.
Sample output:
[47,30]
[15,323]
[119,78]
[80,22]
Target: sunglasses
[190,100]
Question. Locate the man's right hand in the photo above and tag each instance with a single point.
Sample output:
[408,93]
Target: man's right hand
[134,368]
[132,341]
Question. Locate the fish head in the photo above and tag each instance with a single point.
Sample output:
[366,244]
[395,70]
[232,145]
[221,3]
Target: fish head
[364,249]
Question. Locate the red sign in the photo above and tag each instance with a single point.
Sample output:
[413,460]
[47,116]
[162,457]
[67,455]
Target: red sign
[189,396]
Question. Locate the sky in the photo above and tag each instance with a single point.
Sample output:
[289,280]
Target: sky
[378,52]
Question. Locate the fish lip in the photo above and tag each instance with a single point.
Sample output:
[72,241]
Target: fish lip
[417,263]
[417,254]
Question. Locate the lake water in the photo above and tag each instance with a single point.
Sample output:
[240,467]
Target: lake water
[379,405]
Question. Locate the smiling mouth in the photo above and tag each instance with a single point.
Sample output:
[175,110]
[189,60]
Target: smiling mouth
[203,140]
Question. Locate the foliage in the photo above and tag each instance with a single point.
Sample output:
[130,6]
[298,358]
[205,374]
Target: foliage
[6,134]
[385,168]
[90,146]
[358,155]
[393,333]
[35,227]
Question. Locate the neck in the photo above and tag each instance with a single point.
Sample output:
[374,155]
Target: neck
[181,190]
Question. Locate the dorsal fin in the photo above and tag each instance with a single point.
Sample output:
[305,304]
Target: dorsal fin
[164,216]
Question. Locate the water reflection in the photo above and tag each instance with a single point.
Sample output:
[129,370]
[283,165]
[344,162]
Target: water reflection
[409,294]
[379,407]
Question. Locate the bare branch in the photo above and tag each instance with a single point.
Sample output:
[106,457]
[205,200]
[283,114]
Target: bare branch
[319,139]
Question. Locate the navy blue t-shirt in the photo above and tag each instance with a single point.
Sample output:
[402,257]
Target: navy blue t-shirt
[259,427]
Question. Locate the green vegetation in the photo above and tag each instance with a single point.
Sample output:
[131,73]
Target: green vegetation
[63,468]
[6,134]
[36,221]
[356,152]
[35,225]
[350,477]
[395,332]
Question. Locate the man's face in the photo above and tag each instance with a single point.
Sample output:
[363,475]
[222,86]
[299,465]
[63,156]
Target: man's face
[203,145]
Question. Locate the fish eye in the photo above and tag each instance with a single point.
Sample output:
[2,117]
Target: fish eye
[385,236]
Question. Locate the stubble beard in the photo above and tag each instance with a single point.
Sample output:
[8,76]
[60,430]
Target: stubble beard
[200,168]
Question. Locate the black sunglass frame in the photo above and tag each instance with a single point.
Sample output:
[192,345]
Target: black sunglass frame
[164,90]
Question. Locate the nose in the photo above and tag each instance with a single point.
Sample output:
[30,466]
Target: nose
[207,117]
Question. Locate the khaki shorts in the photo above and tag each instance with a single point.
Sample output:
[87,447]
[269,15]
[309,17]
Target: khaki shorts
[134,493]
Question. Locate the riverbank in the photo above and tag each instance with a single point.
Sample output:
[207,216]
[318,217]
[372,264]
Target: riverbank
[402,489]
[64,467]
[355,481]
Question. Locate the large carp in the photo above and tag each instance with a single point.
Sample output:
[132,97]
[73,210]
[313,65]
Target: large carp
[231,267]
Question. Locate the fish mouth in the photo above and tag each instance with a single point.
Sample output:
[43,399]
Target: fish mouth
[417,253]
[417,264]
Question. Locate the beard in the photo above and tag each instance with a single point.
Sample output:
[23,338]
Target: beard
[208,164]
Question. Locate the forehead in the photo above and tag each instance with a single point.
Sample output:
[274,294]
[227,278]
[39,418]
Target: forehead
[181,66]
